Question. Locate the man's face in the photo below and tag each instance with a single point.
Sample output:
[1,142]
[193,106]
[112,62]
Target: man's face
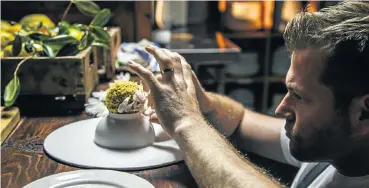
[316,129]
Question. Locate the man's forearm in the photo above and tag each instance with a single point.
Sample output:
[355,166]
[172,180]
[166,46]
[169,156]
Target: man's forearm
[226,113]
[213,161]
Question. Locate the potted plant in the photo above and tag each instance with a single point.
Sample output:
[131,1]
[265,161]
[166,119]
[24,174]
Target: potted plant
[36,37]
[125,127]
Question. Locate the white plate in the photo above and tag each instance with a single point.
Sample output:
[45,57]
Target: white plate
[73,144]
[91,179]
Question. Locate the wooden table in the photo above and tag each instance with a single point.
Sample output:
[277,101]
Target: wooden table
[23,160]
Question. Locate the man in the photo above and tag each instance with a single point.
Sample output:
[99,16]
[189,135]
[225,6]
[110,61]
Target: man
[325,125]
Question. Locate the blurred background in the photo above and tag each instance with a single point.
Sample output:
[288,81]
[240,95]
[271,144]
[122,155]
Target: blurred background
[235,47]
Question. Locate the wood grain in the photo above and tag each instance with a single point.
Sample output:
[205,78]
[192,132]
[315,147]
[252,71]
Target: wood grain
[19,168]
[23,160]
[41,127]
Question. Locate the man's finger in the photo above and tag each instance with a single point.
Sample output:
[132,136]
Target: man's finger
[159,77]
[163,59]
[187,75]
[154,118]
[201,94]
[146,75]
[176,60]
[177,65]
[197,83]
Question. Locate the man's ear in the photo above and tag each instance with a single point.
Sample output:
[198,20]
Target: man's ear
[364,104]
[360,117]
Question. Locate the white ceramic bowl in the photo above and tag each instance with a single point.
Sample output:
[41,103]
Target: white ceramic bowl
[124,131]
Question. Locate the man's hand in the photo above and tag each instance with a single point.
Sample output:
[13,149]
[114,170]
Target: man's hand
[206,102]
[174,95]
[223,113]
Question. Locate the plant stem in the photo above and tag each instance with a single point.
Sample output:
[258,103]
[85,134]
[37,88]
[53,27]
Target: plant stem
[66,10]
[20,63]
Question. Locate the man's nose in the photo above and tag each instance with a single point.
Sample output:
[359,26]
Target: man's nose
[285,114]
[279,111]
[283,110]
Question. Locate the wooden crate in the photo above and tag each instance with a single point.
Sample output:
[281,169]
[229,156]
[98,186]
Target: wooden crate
[105,59]
[53,83]
[9,119]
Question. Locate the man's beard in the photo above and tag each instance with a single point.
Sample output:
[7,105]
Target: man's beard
[328,143]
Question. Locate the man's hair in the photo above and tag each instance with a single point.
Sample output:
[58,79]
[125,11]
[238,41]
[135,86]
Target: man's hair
[341,33]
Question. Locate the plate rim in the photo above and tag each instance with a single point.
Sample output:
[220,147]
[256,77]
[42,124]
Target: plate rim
[85,174]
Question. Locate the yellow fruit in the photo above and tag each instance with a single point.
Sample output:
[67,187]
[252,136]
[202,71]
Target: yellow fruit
[6,37]
[7,52]
[35,19]
[5,25]
[75,33]
[14,28]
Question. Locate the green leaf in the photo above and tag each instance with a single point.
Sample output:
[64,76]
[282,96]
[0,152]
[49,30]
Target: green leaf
[48,50]
[17,45]
[28,46]
[83,44]
[38,47]
[86,41]
[68,50]
[97,39]
[63,27]
[39,36]
[61,40]
[99,44]
[100,33]
[11,91]
[88,8]
[90,40]
[101,18]
[63,31]
[79,27]
[55,47]
[101,41]
[64,24]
